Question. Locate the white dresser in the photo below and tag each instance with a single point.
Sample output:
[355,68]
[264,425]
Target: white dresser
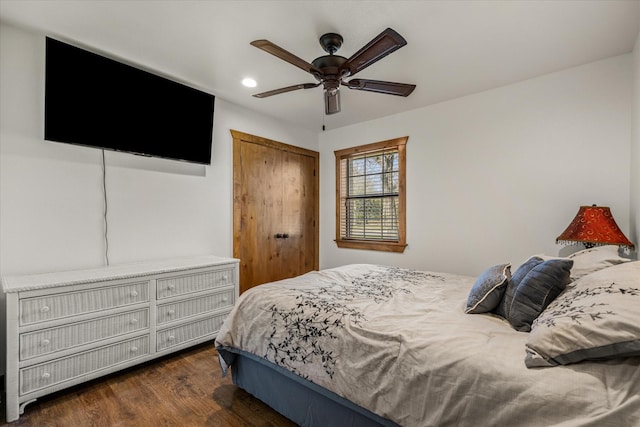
[69,327]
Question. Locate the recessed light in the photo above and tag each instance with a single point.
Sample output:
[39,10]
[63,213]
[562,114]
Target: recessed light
[249,82]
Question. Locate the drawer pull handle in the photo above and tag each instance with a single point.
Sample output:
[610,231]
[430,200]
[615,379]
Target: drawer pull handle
[225,277]
[134,349]
[45,343]
[225,299]
[171,312]
[171,338]
[134,321]
[171,287]
[134,293]
[44,309]
[46,376]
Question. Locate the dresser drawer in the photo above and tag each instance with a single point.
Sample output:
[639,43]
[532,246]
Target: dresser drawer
[60,370]
[191,307]
[190,331]
[47,341]
[194,282]
[55,306]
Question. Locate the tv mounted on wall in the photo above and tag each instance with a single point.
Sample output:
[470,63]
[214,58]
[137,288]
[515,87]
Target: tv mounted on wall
[97,102]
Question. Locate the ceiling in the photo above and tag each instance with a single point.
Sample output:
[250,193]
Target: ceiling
[455,48]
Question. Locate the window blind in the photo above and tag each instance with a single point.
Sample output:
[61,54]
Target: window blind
[369,196]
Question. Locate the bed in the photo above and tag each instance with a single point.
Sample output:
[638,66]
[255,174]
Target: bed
[367,345]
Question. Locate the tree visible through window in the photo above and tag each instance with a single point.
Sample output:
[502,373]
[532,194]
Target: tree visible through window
[370,196]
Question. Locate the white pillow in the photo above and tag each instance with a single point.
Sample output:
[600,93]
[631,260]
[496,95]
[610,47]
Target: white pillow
[591,260]
[596,317]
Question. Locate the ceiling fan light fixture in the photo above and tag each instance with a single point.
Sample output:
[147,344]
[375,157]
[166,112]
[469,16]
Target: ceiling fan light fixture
[331,101]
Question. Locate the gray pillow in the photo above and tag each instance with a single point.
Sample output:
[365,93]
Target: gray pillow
[502,309]
[596,317]
[488,289]
[536,286]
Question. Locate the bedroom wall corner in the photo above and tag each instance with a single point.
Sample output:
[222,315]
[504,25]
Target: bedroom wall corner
[635,152]
[496,176]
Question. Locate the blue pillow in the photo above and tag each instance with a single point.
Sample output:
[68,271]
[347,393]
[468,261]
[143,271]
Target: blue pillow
[488,289]
[534,289]
[503,307]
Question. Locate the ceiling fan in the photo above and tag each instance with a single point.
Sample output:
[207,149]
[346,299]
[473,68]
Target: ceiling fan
[331,70]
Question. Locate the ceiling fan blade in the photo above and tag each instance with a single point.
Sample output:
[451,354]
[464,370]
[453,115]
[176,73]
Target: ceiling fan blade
[286,89]
[331,101]
[276,50]
[390,88]
[386,42]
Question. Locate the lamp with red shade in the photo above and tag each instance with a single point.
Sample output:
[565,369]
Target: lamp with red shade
[594,226]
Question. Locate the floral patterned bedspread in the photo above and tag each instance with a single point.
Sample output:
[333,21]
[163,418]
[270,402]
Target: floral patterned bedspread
[397,342]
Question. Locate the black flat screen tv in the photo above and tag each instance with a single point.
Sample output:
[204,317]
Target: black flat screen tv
[98,102]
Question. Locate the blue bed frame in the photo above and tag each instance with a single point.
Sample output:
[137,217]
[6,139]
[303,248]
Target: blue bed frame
[303,402]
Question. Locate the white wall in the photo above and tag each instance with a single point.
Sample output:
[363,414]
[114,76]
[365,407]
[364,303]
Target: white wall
[51,200]
[635,149]
[497,176]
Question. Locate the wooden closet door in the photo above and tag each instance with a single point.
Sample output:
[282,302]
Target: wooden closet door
[260,214]
[275,193]
[298,250]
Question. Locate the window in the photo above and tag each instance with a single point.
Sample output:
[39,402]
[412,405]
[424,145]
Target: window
[370,196]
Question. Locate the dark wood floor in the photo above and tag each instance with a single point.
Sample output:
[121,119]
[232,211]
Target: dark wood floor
[185,389]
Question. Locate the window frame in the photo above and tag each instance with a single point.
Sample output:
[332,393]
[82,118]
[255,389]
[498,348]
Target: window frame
[387,245]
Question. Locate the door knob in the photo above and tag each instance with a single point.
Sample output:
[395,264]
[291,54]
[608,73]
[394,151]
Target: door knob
[285,236]
[279,236]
